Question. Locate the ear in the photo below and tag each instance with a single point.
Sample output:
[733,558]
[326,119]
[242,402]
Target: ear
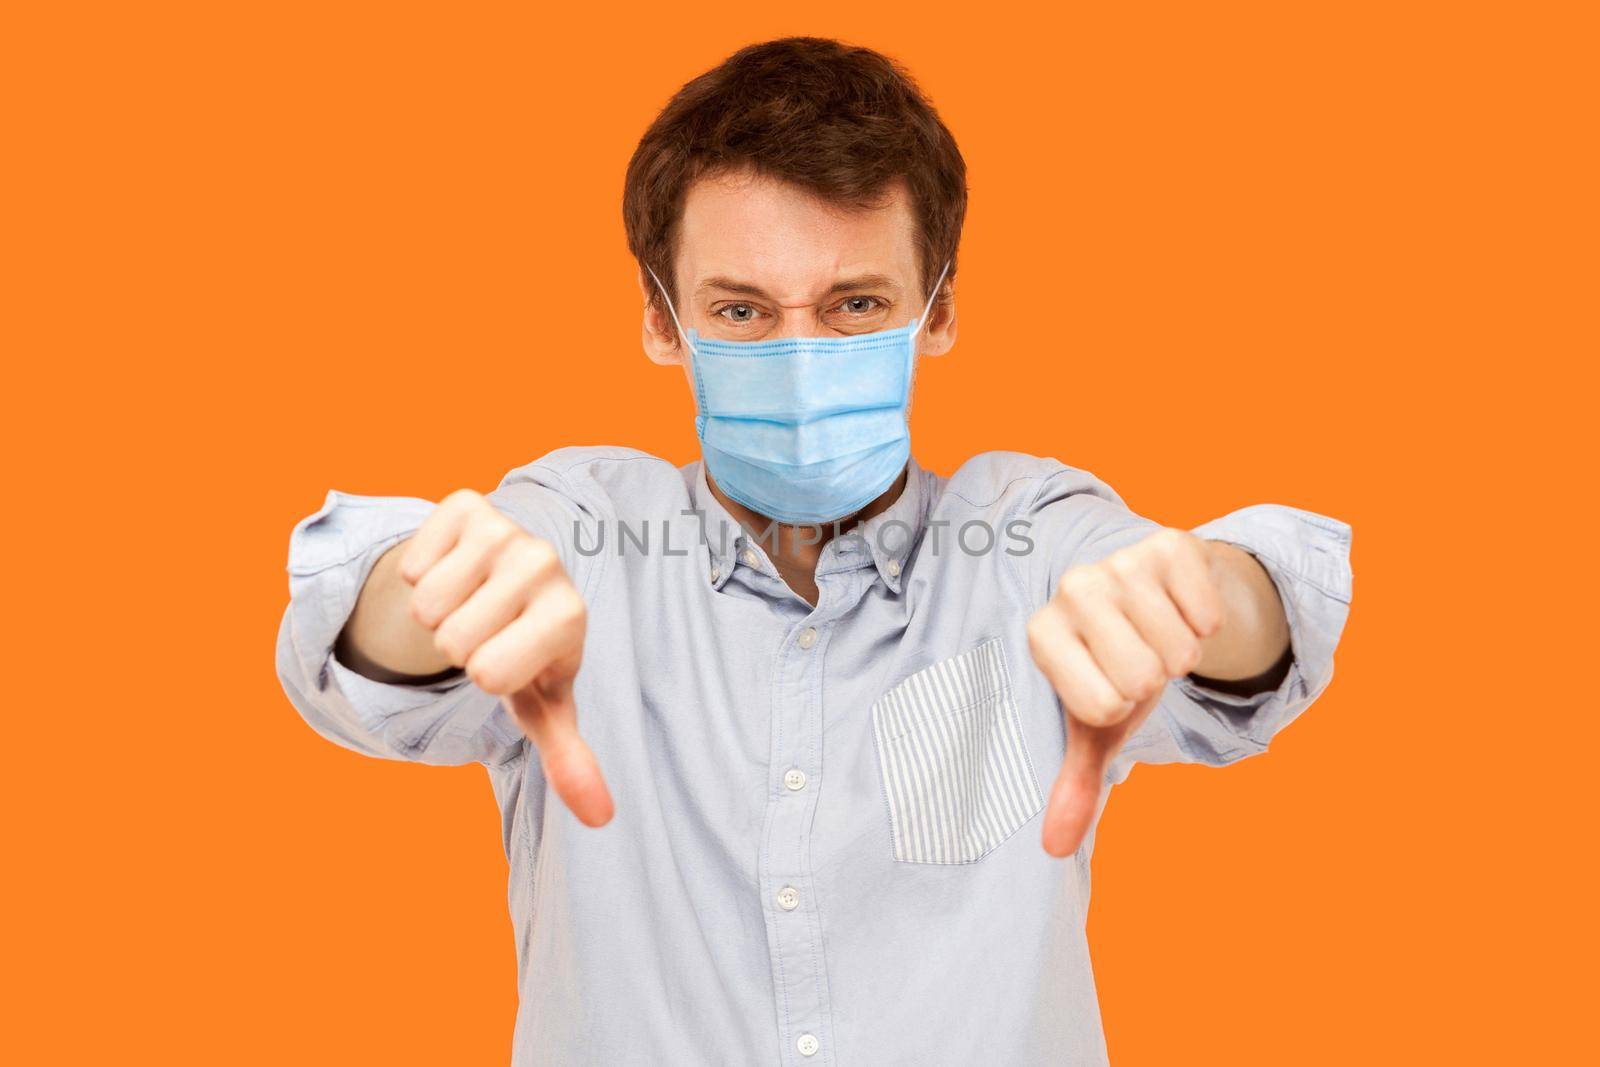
[939,335]
[661,341]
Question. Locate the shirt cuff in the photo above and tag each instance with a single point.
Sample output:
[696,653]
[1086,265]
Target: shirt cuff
[331,554]
[1307,557]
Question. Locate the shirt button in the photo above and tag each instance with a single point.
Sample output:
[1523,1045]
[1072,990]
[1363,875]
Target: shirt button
[715,574]
[749,559]
[794,778]
[893,567]
[788,898]
[808,637]
[808,1044]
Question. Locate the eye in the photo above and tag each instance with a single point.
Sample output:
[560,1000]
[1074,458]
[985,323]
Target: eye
[861,305]
[740,313]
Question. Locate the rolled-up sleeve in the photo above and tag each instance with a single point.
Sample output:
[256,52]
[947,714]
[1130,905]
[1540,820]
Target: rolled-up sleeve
[1078,519]
[331,553]
[1308,558]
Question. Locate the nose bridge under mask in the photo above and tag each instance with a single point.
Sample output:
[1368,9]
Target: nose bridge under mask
[802,382]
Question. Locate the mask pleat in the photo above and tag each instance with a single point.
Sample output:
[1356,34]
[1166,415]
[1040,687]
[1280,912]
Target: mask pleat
[804,444]
[804,429]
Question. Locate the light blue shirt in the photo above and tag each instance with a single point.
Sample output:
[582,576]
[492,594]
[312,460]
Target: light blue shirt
[826,842]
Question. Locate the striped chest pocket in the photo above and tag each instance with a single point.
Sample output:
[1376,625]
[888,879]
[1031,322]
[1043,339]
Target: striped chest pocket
[956,772]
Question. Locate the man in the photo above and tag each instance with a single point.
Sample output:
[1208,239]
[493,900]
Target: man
[820,689]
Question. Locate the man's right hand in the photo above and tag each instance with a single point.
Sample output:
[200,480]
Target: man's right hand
[500,605]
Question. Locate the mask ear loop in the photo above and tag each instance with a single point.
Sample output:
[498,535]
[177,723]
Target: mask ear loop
[911,345]
[674,311]
[923,321]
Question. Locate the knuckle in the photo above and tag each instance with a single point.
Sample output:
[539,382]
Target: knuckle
[1079,583]
[537,555]
[1170,539]
[1038,631]
[1124,565]
[1147,683]
[422,612]
[406,561]
[495,529]
[1188,547]
[450,645]
[570,610]
[486,676]
[1099,710]
[1150,676]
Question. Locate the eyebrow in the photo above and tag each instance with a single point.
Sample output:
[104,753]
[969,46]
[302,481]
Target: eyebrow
[845,285]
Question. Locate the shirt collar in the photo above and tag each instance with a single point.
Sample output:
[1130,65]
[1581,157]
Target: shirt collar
[721,533]
[890,537]
[885,541]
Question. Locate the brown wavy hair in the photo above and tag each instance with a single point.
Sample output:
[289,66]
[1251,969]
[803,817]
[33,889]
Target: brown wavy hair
[840,121]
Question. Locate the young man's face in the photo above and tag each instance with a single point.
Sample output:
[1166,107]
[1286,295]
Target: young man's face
[759,259]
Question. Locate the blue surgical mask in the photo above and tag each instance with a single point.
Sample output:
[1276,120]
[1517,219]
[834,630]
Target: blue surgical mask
[804,429]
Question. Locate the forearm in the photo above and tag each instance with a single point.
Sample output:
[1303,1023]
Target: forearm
[381,640]
[1254,637]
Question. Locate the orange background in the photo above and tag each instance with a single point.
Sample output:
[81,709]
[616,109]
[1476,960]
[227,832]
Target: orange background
[1339,257]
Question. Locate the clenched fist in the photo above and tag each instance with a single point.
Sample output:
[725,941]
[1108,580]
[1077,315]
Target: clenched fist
[500,605]
[1117,631]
